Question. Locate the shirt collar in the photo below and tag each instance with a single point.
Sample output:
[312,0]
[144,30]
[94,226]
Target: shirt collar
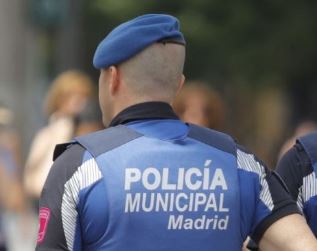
[146,110]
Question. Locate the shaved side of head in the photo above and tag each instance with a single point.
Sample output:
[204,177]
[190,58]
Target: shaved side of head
[155,72]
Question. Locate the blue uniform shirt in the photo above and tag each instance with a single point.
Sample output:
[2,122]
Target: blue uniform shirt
[152,182]
[298,168]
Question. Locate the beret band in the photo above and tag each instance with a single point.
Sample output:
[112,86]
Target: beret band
[130,38]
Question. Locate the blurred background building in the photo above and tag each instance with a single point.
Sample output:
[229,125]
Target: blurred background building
[260,58]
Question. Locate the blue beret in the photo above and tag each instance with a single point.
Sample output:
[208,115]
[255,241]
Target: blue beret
[130,38]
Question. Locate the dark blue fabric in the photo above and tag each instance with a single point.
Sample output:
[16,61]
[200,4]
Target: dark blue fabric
[310,208]
[248,201]
[309,142]
[78,236]
[132,37]
[213,138]
[93,211]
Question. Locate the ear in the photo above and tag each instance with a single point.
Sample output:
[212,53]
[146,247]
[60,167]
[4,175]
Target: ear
[114,80]
[180,84]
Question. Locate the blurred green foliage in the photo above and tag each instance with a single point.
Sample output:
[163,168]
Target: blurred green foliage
[238,42]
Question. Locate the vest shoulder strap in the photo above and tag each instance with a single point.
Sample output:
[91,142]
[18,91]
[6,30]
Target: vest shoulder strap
[309,142]
[213,138]
[105,140]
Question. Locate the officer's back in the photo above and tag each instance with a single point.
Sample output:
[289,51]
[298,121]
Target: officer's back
[165,184]
[150,181]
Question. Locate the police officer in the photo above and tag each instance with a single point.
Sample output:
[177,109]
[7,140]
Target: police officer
[152,182]
[298,168]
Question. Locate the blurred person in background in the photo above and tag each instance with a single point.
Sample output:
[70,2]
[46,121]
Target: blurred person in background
[66,99]
[298,168]
[9,141]
[8,165]
[199,104]
[14,222]
[302,129]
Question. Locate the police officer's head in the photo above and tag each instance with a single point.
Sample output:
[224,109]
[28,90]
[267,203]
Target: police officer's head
[140,60]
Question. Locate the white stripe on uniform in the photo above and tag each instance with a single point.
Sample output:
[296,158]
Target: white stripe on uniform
[248,163]
[86,174]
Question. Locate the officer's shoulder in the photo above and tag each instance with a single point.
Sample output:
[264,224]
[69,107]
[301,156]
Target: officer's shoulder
[67,150]
[309,144]
[246,153]
[105,140]
[67,158]
[213,138]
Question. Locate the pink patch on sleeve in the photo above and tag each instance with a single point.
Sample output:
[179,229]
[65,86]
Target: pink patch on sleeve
[44,217]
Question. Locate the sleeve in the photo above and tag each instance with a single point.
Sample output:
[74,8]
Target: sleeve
[264,197]
[51,235]
[292,168]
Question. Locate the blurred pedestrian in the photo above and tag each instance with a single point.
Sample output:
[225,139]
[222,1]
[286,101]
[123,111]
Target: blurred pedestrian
[66,98]
[9,142]
[199,104]
[301,129]
[13,205]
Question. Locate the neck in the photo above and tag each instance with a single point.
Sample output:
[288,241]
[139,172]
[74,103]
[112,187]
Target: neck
[128,101]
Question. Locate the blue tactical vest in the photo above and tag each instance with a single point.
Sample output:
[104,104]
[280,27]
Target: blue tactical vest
[166,186]
[309,189]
